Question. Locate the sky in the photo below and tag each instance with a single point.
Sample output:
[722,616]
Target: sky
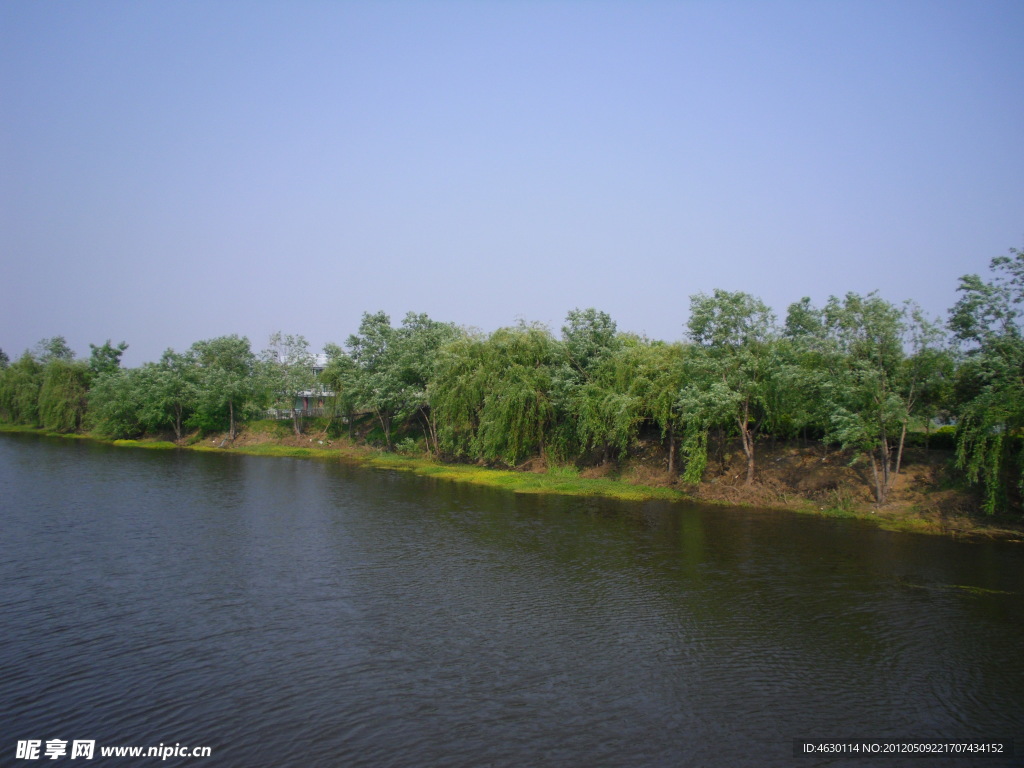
[177,171]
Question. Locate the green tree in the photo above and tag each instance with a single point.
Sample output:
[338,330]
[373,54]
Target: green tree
[54,348]
[457,389]
[117,402]
[809,360]
[492,395]
[420,339]
[4,360]
[874,386]
[227,381]
[517,411]
[589,338]
[19,390]
[173,391]
[659,379]
[63,395]
[106,358]
[393,367]
[339,377]
[987,321]
[594,409]
[376,384]
[729,370]
[290,367]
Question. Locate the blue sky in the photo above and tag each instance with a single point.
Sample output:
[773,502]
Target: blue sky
[171,172]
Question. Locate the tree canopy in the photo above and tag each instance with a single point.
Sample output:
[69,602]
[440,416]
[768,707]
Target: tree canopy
[858,373]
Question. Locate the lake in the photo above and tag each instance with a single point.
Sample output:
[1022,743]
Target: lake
[313,613]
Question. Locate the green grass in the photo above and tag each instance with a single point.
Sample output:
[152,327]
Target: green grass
[561,481]
[19,428]
[25,429]
[153,445]
[272,449]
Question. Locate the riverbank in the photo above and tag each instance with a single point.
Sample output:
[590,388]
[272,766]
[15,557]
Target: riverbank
[805,480]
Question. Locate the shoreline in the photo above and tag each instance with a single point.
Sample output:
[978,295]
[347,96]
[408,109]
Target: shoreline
[557,481]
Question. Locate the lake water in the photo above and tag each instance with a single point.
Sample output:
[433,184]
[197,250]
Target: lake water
[303,612]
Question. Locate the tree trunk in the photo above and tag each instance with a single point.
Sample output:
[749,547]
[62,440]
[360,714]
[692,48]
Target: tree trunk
[385,424]
[231,417]
[432,422]
[429,431]
[748,443]
[671,450]
[899,451]
[879,485]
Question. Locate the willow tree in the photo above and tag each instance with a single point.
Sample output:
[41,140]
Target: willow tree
[659,378]
[591,386]
[492,395]
[457,390]
[606,413]
[19,390]
[988,320]
[63,394]
[638,382]
[517,411]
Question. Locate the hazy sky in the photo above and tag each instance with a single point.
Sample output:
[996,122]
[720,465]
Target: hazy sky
[175,171]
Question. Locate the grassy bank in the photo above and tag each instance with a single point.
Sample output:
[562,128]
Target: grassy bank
[564,481]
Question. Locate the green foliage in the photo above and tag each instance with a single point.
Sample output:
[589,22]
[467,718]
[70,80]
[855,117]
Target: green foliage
[730,369]
[55,348]
[226,383]
[987,320]
[492,396]
[858,371]
[408,446]
[865,367]
[392,368]
[63,395]
[517,410]
[457,390]
[340,378]
[589,338]
[19,391]
[117,402]
[174,392]
[695,448]
[106,358]
[593,388]
[288,372]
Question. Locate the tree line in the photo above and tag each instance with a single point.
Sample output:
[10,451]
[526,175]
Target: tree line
[857,372]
